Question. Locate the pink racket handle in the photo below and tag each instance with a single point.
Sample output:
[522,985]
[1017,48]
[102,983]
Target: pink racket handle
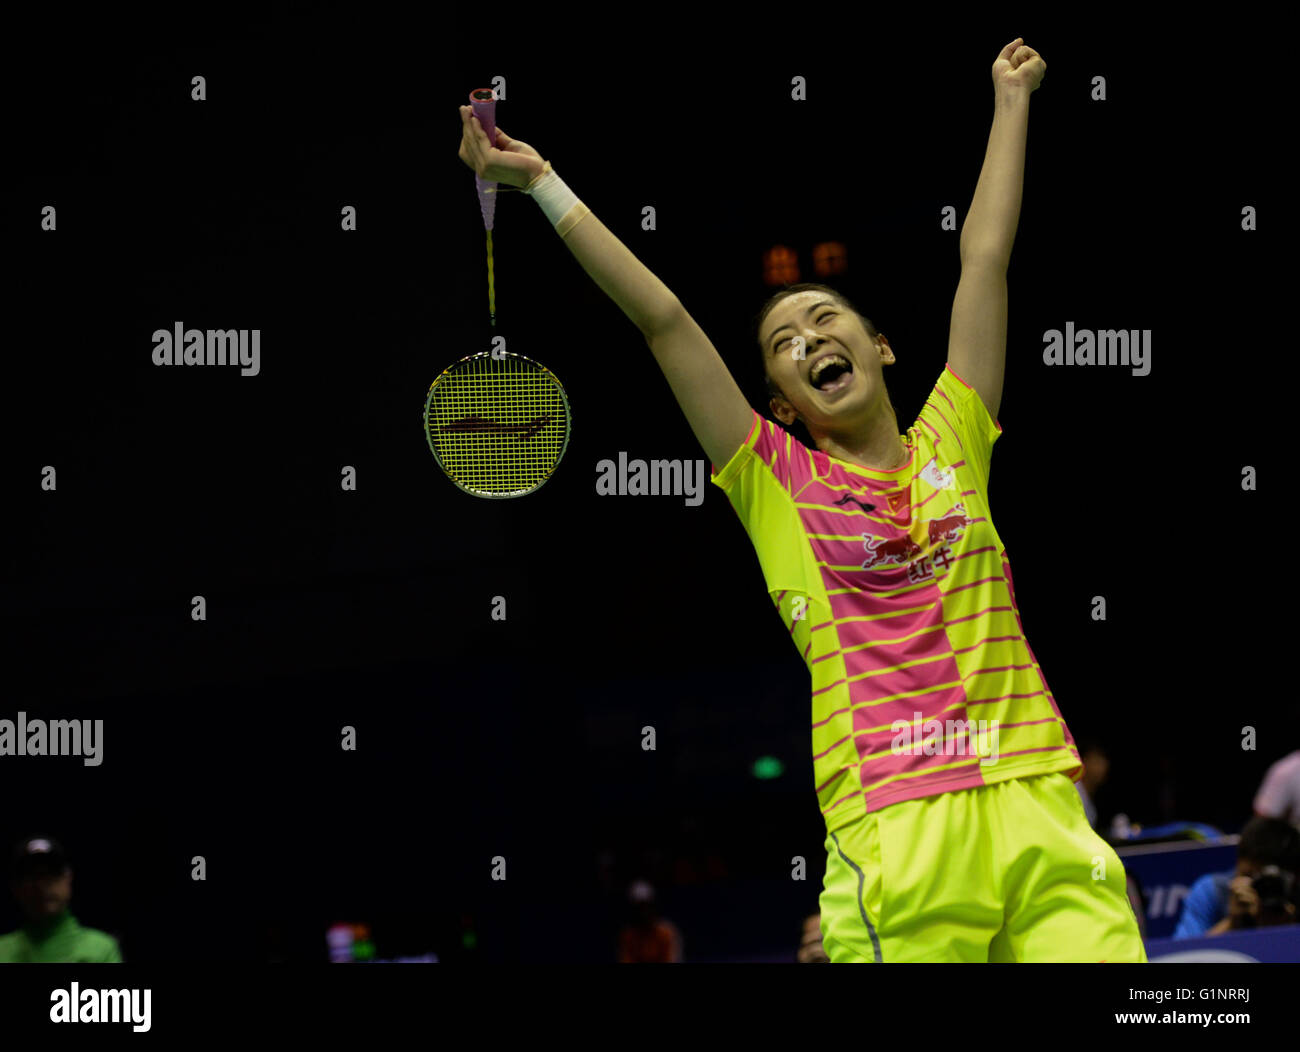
[483,102]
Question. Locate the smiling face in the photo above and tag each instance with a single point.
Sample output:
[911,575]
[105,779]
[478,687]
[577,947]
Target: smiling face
[837,383]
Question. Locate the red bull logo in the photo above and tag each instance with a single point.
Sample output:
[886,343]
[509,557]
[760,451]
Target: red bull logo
[892,552]
[899,550]
[950,527]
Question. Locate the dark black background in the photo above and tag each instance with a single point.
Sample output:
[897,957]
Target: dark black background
[371,608]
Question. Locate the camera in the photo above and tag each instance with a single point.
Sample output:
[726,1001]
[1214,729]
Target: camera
[1276,890]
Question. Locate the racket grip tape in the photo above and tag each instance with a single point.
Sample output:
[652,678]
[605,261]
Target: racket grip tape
[483,103]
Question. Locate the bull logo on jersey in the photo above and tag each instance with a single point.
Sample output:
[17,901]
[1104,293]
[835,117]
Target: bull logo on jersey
[892,552]
[897,551]
[951,526]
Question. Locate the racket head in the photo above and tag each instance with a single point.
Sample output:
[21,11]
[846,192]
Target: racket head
[497,426]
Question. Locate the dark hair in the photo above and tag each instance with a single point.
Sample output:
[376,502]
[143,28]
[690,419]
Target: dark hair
[1270,842]
[791,290]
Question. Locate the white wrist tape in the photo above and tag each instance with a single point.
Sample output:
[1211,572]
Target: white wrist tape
[560,204]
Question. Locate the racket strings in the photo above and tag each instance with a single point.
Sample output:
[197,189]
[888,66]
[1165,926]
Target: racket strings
[497,427]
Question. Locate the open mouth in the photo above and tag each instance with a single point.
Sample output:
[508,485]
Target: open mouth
[830,373]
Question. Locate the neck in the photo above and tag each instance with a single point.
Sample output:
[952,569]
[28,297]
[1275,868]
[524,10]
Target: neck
[44,923]
[880,448]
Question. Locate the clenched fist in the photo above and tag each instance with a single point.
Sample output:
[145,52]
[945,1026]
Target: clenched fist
[510,161]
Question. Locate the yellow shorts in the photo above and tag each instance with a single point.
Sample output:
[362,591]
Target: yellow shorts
[1003,873]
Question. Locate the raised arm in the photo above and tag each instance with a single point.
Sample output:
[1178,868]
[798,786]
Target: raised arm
[715,407]
[977,335]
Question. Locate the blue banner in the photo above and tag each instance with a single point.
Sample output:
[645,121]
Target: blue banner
[1167,872]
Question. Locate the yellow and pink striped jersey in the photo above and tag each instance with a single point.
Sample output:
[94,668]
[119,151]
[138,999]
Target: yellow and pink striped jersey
[897,592]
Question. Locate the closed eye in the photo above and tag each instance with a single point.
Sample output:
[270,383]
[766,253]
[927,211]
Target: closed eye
[787,339]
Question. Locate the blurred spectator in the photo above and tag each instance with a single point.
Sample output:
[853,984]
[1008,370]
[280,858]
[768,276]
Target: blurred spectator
[1279,792]
[1259,892]
[1096,765]
[648,938]
[50,934]
[811,950]
[1261,901]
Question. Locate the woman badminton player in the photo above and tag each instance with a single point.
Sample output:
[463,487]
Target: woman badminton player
[943,768]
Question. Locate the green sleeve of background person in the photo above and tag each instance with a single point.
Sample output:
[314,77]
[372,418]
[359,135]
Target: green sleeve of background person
[70,944]
[100,947]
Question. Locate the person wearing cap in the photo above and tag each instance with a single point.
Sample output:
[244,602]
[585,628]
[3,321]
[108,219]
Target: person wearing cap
[50,934]
[648,938]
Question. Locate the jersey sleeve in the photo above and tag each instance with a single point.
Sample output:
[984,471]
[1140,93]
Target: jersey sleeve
[955,413]
[771,451]
[762,482]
